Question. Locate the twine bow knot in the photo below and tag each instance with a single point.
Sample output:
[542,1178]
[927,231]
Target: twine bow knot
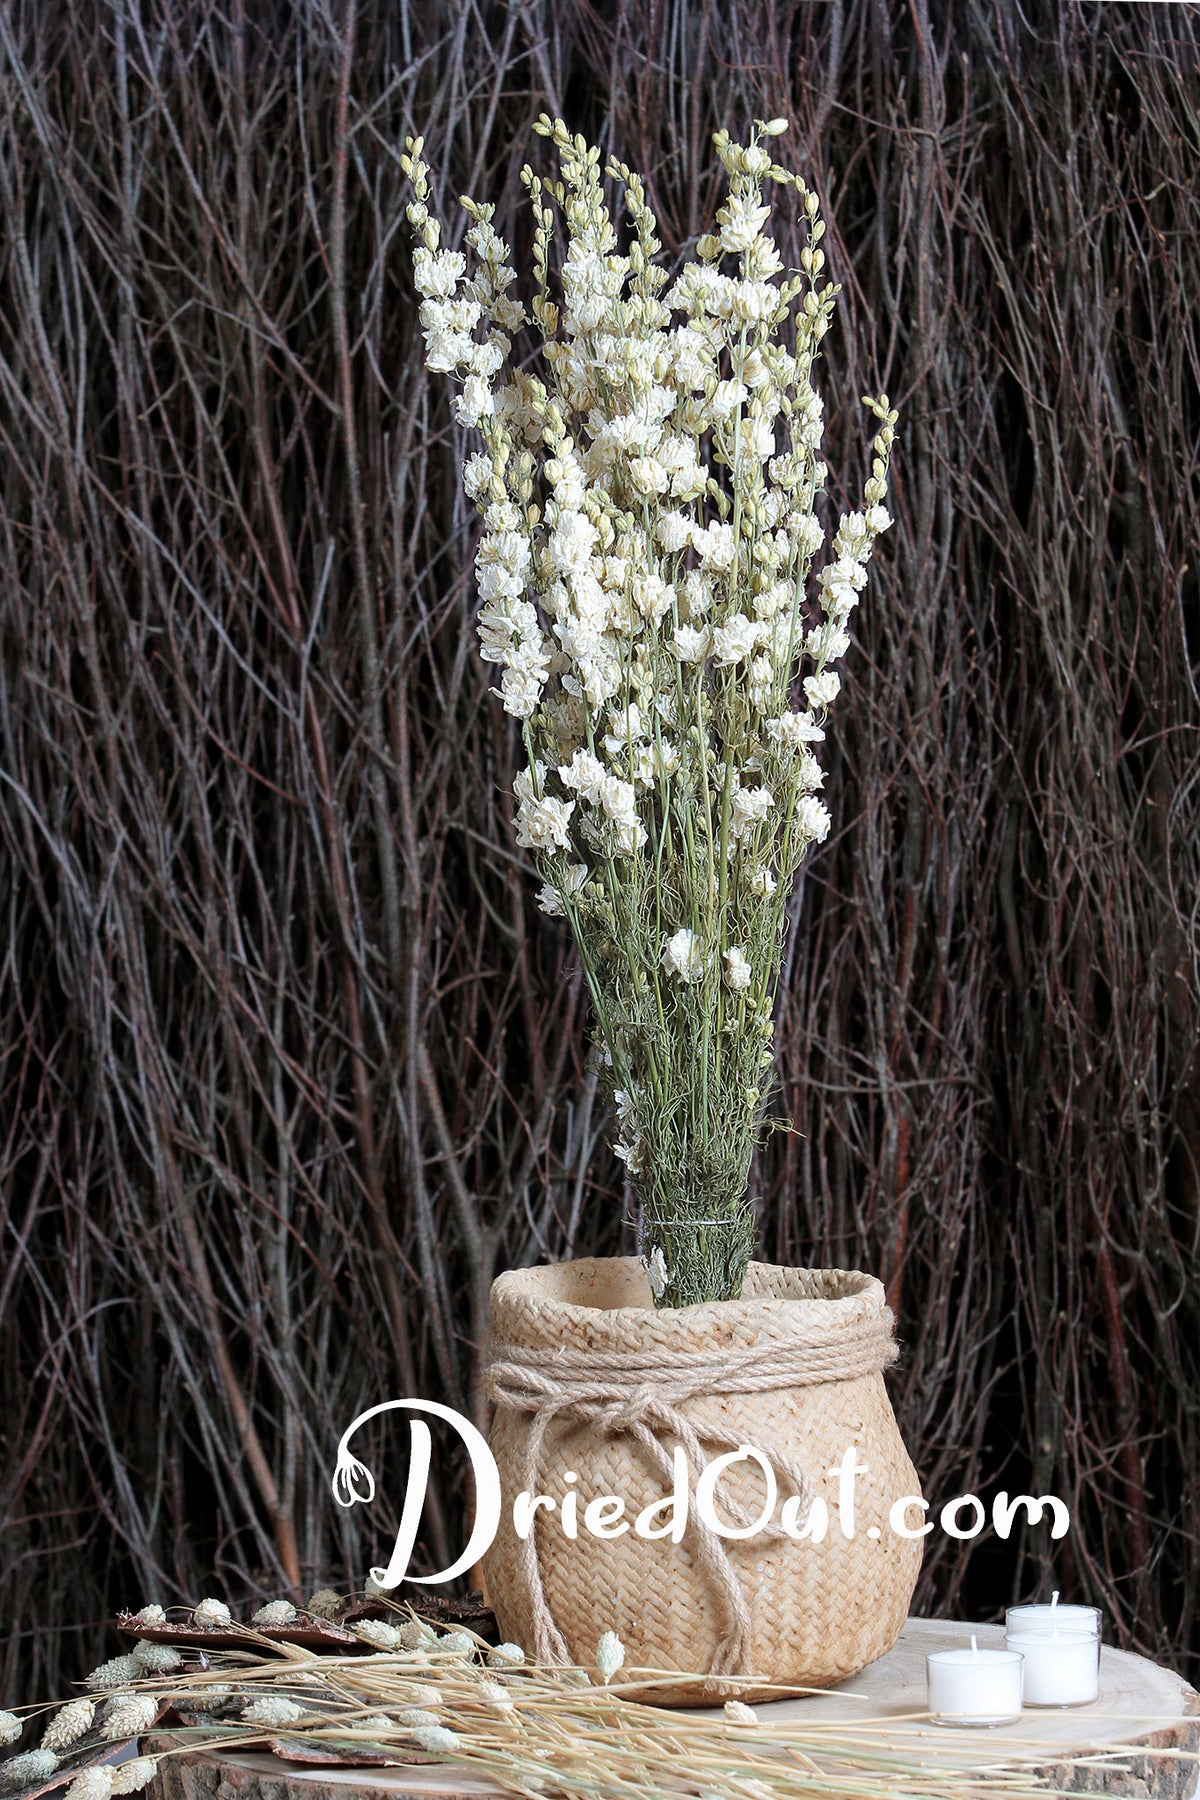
[642,1398]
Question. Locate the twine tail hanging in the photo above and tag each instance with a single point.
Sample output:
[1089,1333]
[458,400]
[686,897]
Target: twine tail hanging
[640,1398]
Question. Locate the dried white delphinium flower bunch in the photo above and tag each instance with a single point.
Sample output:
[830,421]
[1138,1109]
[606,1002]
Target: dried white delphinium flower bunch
[649,533]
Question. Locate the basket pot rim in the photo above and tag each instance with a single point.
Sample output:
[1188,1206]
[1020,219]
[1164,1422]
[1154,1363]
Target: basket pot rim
[605,1302]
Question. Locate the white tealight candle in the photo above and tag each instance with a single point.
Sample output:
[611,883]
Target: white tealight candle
[974,1687]
[1051,1617]
[1061,1647]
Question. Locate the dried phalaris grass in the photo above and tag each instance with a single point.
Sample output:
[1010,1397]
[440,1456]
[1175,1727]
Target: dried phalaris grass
[449,1697]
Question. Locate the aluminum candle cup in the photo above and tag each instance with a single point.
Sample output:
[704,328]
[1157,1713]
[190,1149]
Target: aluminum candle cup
[974,1687]
[1061,1648]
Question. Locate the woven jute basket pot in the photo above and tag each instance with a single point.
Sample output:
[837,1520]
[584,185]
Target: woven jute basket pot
[591,1381]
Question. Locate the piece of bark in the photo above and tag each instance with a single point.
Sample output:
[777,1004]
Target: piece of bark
[306,1632]
[447,1613]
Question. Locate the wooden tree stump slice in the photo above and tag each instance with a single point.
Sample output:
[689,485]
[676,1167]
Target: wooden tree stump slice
[1141,1708]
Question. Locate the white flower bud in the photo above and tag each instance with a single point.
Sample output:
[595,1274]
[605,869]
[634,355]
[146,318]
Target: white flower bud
[92,1784]
[212,1612]
[30,1766]
[128,1715]
[275,1612]
[495,1694]
[130,1777]
[378,1633]
[113,1673]
[610,1651]
[273,1711]
[69,1724]
[434,1738]
[737,970]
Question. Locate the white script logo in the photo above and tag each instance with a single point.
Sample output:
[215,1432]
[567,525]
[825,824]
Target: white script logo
[604,1515]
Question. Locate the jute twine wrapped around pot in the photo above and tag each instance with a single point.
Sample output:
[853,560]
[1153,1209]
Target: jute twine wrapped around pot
[594,1389]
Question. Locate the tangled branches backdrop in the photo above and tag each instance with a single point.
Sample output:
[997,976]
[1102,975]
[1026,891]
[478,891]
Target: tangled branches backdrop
[290,1065]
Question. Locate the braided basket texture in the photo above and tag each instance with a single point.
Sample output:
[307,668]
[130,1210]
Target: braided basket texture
[811,1614]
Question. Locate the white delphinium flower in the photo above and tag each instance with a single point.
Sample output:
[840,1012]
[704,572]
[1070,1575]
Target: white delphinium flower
[673,531]
[156,1659]
[28,1767]
[324,1604]
[566,887]
[505,1656]
[740,1713]
[692,643]
[737,969]
[657,1273]
[458,1643]
[735,640]
[68,1724]
[373,1722]
[610,1656]
[763,883]
[150,1615]
[827,642]
[437,276]
[477,475]
[792,731]
[683,955]
[275,1612]
[584,773]
[91,1784]
[10,1728]
[633,1155]
[747,810]
[128,1715]
[617,799]
[434,1737]
[542,823]
[416,1715]
[812,819]
[132,1776]
[727,397]
[715,546]
[112,1673]
[822,690]
[212,1612]
[273,1711]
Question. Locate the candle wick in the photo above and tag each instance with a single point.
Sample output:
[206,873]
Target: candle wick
[974,1645]
[1054,1613]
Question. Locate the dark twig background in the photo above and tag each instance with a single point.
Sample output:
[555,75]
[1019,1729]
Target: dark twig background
[289,1064]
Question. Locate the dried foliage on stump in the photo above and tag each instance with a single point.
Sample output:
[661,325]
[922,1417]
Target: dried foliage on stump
[289,1063]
